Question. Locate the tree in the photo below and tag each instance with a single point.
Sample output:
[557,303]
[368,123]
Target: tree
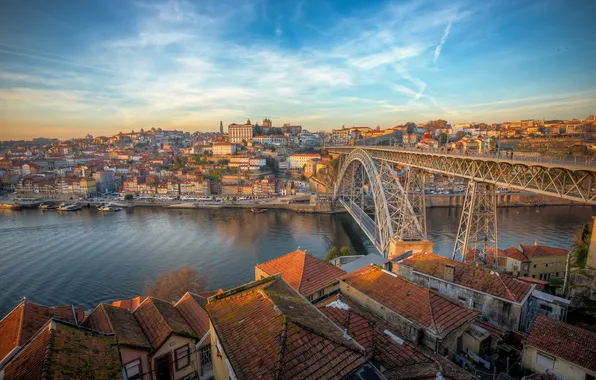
[171,285]
[128,197]
[335,253]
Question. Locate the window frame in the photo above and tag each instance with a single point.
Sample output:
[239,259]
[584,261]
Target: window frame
[546,356]
[132,361]
[187,346]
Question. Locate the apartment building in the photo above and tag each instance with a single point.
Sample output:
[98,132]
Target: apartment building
[299,160]
[240,132]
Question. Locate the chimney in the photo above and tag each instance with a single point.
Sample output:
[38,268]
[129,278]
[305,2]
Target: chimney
[449,272]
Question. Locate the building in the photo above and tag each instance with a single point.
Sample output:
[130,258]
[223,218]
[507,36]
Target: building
[267,330]
[501,298]
[340,136]
[420,315]
[105,180]
[536,261]
[60,350]
[392,355]
[266,187]
[297,161]
[223,149]
[311,277]
[134,346]
[22,322]
[561,350]
[546,305]
[240,132]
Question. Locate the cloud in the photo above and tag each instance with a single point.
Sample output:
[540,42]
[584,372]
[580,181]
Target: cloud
[394,55]
[443,40]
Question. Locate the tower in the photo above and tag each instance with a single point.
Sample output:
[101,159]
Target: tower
[221,127]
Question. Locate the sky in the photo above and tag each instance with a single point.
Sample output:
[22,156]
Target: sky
[71,67]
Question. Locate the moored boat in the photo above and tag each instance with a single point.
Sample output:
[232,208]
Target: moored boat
[258,210]
[70,207]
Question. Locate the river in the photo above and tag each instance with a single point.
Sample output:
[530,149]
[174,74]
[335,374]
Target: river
[86,257]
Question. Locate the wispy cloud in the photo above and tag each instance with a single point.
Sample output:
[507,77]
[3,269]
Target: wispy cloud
[443,40]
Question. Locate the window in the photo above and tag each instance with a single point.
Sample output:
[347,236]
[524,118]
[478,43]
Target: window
[590,377]
[533,276]
[547,308]
[205,355]
[320,293]
[182,357]
[133,369]
[534,265]
[478,305]
[545,360]
[557,274]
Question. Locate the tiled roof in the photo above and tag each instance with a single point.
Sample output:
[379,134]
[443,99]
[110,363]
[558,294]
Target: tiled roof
[494,331]
[303,271]
[399,358]
[192,308]
[269,331]
[573,344]
[472,276]
[513,253]
[27,318]
[129,304]
[64,351]
[531,251]
[114,320]
[416,303]
[159,319]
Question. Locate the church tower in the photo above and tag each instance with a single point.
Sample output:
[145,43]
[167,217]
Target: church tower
[221,127]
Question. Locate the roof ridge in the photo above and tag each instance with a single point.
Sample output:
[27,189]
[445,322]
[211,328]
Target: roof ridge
[47,359]
[506,287]
[108,317]
[432,314]
[242,288]
[304,254]
[279,257]
[24,302]
[325,336]
[282,349]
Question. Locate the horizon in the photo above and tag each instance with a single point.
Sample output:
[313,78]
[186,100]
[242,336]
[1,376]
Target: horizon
[69,69]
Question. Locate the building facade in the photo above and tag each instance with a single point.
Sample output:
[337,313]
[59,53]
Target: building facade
[240,132]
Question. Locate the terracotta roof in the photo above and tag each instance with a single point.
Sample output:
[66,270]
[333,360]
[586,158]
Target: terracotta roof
[64,351]
[399,358]
[501,258]
[494,331]
[303,271]
[472,276]
[18,326]
[114,320]
[531,251]
[416,303]
[159,319]
[192,308]
[573,344]
[269,331]
[129,304]
[513,253]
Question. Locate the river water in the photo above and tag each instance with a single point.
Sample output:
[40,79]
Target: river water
[86,257]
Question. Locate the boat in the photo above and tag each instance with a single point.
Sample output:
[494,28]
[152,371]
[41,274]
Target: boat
[48,206]
[109,208]
[258,210]
[70,207]
[9,206]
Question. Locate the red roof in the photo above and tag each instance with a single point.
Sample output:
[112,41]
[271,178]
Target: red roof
[64,351]
[416,303]
[531,251]
[400,358]
[573,344]
[269,331]
[192,308]
[114,320]
[18,326]
[472,276]
[159,319]
[303,271]
[129,304]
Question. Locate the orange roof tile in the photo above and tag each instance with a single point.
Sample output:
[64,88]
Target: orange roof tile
[565,341]
[531,251]
[192,308]
[18,326]
[401,359]
[303,271]
[416,303]
[159,319]
[64,351]
[114,320]
[269,331]
[129,304]
[472,276]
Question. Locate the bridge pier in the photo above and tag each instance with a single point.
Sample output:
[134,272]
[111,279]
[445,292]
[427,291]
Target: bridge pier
[476,238]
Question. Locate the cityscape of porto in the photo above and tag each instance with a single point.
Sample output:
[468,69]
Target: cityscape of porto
[331,189]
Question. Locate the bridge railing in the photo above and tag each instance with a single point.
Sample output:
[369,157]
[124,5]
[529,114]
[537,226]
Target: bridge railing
[498,156]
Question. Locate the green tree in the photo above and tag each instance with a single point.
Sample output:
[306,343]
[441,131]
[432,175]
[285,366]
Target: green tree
[335,253]
[345,251]
[128,197]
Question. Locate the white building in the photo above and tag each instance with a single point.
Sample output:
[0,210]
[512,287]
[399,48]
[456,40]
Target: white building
[223,149]
[240,132]
[297,161]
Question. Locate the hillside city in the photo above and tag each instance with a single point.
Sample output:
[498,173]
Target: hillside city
[529,314]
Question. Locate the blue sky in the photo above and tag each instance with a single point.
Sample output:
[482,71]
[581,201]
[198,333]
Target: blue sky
[73,67]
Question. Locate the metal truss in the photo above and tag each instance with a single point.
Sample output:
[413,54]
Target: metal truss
[414,188]
[477,233]
[374,196]
[563,180]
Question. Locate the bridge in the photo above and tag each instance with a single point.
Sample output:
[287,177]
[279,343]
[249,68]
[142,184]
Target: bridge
[383,189]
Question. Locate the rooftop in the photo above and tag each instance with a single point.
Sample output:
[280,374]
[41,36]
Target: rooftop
[64,351]
[132,303]
[573,344]
[303,271]
[416,303]
[270,331]
[114,320]
[192,308]
[471,276]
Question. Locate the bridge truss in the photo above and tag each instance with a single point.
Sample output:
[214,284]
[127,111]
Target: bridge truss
[389,206]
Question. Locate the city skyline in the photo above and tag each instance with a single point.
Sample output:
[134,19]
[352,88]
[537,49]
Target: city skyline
[67,70]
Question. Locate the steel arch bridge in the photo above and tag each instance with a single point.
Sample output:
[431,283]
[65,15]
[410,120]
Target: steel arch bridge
[389,206]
